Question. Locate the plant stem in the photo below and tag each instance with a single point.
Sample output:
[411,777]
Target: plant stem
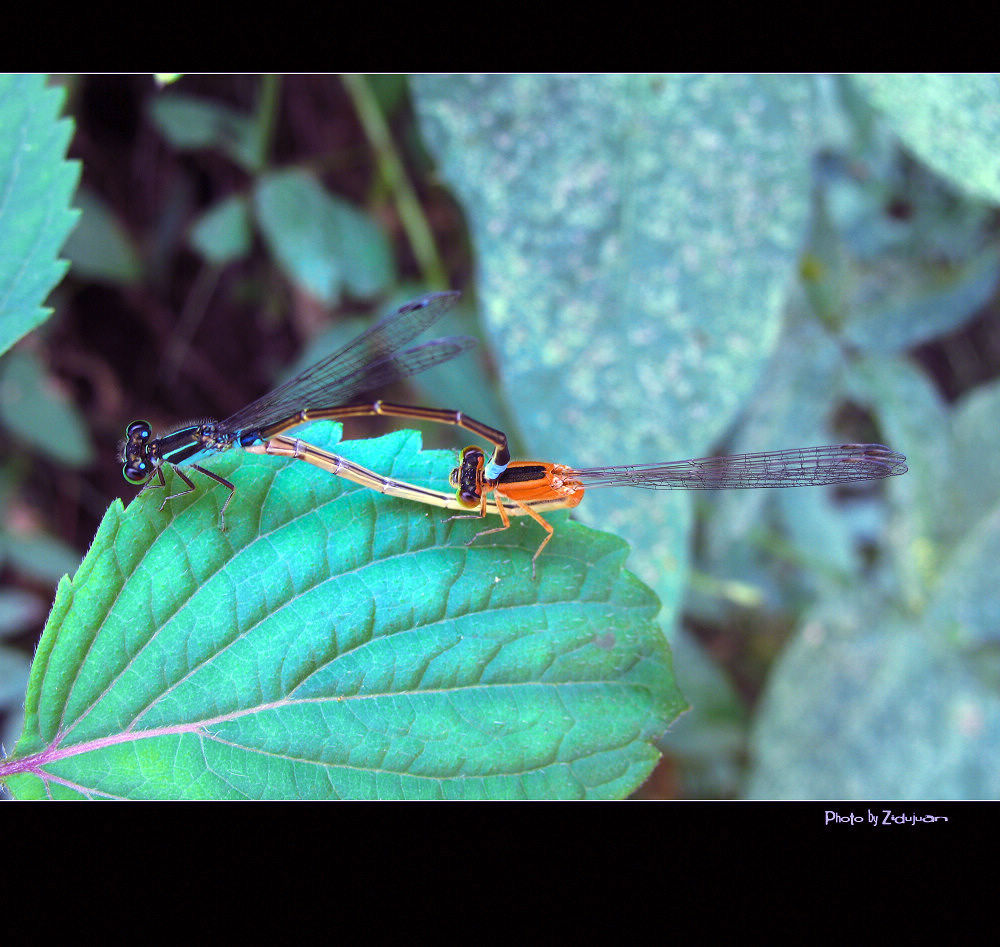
[411,214]
[266,116]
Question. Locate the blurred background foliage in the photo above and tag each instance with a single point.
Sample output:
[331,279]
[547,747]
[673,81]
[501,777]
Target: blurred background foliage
[658,267]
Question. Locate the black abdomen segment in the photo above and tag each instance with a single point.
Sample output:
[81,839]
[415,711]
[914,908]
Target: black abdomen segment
[521,472]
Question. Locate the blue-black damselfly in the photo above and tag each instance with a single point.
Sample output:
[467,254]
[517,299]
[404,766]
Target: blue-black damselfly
[374,359]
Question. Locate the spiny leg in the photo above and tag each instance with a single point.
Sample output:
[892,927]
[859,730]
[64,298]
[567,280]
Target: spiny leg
[546,526]
[180,473]
[506,525]
[217,479]
[504,518]
[190,488]
[481,515]
[149,485]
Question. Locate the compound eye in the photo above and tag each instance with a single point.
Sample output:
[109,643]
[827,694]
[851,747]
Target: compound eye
[466,500]
[138,430]
[136,473]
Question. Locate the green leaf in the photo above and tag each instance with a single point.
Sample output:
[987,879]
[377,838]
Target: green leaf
[787,410]
[13,676]
[334,642]
[711,737]
[18,610]
[825,270]
[35,217]
[39,414]
[862,706]
[188,122]
[223,233]
[896,257]
[100,248]
[14,669]
[323,244]
[965,604]
[968,484]
[38,555]
[635,235]
[914,420]
[907,305]
[950,122]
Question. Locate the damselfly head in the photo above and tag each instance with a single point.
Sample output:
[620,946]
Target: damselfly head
[134,453]
[467,477]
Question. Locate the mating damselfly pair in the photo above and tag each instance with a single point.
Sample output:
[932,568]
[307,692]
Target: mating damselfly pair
[487,485]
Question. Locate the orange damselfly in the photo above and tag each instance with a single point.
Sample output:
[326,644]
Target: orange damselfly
[530,488]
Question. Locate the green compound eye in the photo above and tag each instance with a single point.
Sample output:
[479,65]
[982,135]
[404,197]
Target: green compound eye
[138,431]
[137,473]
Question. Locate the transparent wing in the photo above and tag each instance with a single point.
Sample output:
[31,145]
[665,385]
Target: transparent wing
[801,467]
[370,361]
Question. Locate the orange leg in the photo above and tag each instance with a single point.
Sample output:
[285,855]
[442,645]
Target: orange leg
[504,518]
[546,526]
[506,525]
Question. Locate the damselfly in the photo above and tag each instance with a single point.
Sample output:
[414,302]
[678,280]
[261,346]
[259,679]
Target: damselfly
[374,359]
[529,488]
